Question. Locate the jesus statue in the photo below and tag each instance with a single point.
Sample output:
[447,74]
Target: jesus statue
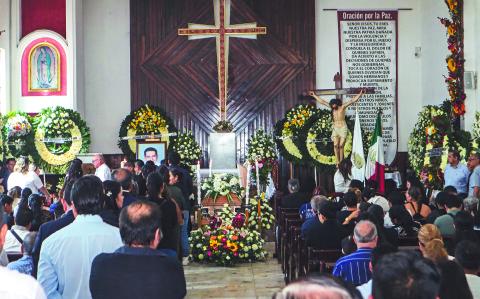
[339,127]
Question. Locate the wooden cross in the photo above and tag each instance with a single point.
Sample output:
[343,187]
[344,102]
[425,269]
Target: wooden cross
[222,31]
[339,92]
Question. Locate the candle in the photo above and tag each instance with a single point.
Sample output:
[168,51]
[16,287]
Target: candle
[210,168]
[247,188]
[315,170]
[199,185]
[257,172]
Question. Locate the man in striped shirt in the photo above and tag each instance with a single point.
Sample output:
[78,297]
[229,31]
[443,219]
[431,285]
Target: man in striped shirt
[354,267]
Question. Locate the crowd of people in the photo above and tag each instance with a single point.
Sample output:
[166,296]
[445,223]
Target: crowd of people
[124,233]
[115,234]
[368,227]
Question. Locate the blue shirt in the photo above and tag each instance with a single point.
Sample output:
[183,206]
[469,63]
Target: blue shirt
[23,265]
[355,267]
[474,180]
[457,177]
[66,256]
[306,212]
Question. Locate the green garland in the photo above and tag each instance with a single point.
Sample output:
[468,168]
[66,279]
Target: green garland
[287,131]
[146,120]
[59,122]
[15,146]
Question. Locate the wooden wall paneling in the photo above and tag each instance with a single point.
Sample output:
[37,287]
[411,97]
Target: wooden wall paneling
[268,75]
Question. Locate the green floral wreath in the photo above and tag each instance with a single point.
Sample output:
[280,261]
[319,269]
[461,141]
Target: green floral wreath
[287,131]
[17,133]
[146,120]
[433,130]
[59,123]
[188,148]
[318,146]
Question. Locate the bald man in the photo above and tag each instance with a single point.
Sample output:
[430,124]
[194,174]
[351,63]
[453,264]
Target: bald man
[102,171]
[138,269]
[355,267]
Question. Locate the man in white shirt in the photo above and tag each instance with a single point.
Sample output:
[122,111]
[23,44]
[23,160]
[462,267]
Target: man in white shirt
[103,172]
[15,285]
[66,256]
[15,236]
[467,255]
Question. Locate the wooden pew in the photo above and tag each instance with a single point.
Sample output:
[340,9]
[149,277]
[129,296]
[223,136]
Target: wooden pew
[280,217]
[286,240]
[321,261]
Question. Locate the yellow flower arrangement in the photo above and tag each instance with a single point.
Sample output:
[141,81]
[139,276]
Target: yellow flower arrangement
[451,30]
[452,4]
[452,66]
[58,159]
[325,159]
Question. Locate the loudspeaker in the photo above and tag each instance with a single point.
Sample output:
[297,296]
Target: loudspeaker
[470,78]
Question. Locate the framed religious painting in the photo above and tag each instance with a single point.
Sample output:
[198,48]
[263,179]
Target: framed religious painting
[44,68]
[154,151]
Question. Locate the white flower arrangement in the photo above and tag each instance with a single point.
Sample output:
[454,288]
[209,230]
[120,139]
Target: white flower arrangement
[187,147]
[18,126]
[221,185]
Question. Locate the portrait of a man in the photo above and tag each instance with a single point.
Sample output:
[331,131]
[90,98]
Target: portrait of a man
[151,151]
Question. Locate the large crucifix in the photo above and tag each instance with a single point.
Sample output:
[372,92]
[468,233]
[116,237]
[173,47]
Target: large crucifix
[339,127]
[222,31]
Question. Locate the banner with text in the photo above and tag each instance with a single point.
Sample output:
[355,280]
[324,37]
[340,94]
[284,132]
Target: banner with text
[368,58]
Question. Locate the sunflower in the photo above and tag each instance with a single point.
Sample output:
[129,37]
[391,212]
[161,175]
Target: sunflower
[452,66]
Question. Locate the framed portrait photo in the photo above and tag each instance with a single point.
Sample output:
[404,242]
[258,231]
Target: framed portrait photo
[154,151]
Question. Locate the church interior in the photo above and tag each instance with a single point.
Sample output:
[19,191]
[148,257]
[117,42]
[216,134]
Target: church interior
[240,149]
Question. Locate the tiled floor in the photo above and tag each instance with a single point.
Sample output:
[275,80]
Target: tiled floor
[257,280]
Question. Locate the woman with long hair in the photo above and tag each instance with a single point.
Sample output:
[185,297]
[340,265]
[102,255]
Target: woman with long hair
[40,215]
[414,205]
[113,202]
[157,193]
[403,221]
[431,243]
[175,180]
[74,171]
[342,176]
[15,193]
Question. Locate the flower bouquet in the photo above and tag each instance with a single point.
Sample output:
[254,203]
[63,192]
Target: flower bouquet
[18,126]
[188,148]
[222,185]
[226,245]
[261,148]
[17,134]
[223,126]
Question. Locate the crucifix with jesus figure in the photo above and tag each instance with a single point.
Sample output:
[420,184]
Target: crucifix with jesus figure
[339,126]
[222,31]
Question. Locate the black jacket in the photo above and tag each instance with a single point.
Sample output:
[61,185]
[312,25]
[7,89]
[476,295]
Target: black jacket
[327,235]
[294,200]
[136,273]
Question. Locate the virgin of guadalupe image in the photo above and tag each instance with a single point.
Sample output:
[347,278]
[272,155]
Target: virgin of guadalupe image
[44,74]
